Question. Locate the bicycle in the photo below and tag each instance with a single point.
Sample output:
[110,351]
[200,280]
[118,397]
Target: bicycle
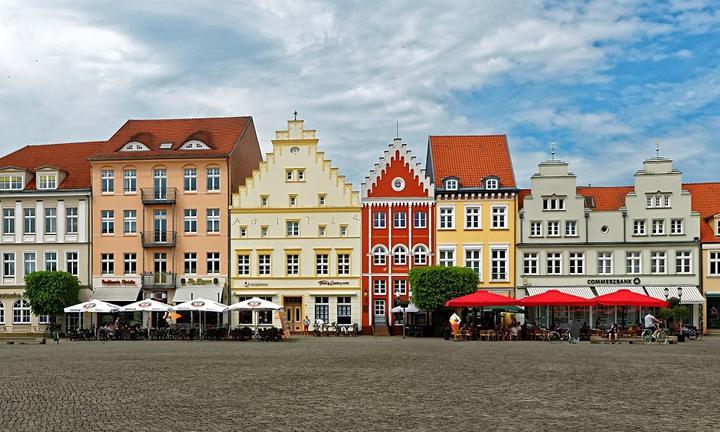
[560,335]
[660,336]
[691,332]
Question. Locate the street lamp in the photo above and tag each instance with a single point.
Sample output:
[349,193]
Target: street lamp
[666,291]
[679,291]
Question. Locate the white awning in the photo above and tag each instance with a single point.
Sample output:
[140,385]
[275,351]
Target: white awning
[116,293]
[584,291]
[690,294]
[189,292]
[602,290]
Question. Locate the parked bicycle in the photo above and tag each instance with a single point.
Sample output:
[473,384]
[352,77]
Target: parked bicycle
[692,333]
[659,336]
[559,335]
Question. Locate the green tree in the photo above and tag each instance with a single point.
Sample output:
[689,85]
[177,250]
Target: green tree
[50,292]
[433,286]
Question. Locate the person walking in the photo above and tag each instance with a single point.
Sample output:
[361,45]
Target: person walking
[306,325]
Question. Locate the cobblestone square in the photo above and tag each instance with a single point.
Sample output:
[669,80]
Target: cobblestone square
[359,383]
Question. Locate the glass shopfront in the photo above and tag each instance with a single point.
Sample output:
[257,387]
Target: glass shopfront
[713,311]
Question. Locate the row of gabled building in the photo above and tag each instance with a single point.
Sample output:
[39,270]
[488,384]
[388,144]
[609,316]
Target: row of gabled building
[187,208]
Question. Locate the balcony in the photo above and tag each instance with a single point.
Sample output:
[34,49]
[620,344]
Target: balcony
[158,239]
[159,280]
[158,196]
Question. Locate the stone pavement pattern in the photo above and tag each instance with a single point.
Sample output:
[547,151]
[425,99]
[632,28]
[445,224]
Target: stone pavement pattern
[359,383]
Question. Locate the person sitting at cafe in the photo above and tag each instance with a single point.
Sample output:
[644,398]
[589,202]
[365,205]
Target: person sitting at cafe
[613,333]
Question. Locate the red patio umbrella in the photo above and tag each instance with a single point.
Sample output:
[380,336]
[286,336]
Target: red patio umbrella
[481,298]
[624,297]
[555,298]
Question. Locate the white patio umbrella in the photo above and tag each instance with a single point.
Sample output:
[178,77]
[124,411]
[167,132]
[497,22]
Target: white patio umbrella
[201,305]
[92,306]
[411,308]
[148,305]
[255,304]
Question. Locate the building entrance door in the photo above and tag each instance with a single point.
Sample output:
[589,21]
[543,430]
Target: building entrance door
[379,310]
[294,313]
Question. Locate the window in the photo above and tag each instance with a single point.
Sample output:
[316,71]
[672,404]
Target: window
[50,221]
[8,221]
[129,221]
[379,220]
[577,263]
[658,227]
[398,184]
[379,255]
[472,217]
[451,184]
[400,255]
[322,264]
[553,204]
[535,228]
[213,262]
[107,181]
[683,262]
[47,181]
[322,231]
[658,262]
[553,229]
[129,181]
[51,261]
[499,217]
[243,231]
[639,227]
[379,287]
[657,200]
[190,261]
[29,221]
[605,263]
[107,263]
[344,310]
[400,287]
[293,264]
[419,219]
[264,200]
[420,255]
[322,309]
[379,307]
[107,221]
[530,263]
[714,259]
[30,260]
[190,179]
[292,200]
[446,257]
[243,265]
[264,264]
[400,220]
[473,260]
[554,263]
[213,179]
[213,220]
[343,264]
[301,175]
[11,182]
[190,221]
[293,228]
[343,230]
[72,263]
[44,319]
[21,312]
[71,220]
[633,263]
[498,263]
[492,184]
[676,227]
[2,313]
[322,199]
[571,228]
[447,217]
[264,230]
[9,265]
[130,263]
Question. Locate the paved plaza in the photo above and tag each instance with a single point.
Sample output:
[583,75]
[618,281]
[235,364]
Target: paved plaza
[362,383]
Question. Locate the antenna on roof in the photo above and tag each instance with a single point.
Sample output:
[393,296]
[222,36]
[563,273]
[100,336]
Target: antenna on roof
[657,148]
[397,129]
[552,150]
[295,114]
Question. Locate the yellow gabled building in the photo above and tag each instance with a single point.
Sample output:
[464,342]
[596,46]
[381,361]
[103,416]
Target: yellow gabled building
[476,207]
[295,235]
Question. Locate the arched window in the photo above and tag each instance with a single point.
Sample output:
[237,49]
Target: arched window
[2,313]
[379,254]
[451,184]
[400,255]
[420,255]
[492,183]
[21,312]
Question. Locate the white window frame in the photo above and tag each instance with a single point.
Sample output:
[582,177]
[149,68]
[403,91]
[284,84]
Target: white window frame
[451,184]
[243,264]
[576,263]
[714,261]
[473,217]
[26,261]
[504,261]
[379,254]
[658,223]
[107,222]
[443,260]
[129,258]
[399,219]
[399,255]
[657,258]
[72,262]
[322,264]
[29,221]
[47,181]
[531,263]
[107,181]
[400,287]
[212,263]
[190,221]
[424,254]
[47,261]
[130,222]
[264,264]
[343,264]
[683,262]
[190,179]
[379,286]
[71,220]
[553,232]
[475,261]
[568,231]
[605,260]
[499,217]
[536,228]
[7,276]
[557,257]
[492,184]
[190,263]
[25,313]
[677,223]
[8,221]
[640,227]
[633,262]
[292,228]
[212,220]
[130,181]
[446,217]
[379,219]
[107,264]
[213,177]
[553,203]
[419,219]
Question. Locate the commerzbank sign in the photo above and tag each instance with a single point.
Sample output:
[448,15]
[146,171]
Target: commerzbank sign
[633,281]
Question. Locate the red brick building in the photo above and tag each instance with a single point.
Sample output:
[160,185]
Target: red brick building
[398,234]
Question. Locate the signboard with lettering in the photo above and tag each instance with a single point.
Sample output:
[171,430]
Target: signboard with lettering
[634,281]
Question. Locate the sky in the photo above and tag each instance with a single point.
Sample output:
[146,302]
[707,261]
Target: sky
[603,80]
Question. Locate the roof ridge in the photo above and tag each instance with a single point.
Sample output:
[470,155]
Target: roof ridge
[470,135]
[189,118]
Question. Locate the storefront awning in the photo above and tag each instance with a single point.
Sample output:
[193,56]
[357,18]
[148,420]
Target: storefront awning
[116,293]
[690,294]
[189,292]
[334,293]
[602,290]
[584,292]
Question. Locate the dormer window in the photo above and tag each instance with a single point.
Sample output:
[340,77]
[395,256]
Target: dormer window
[717,227]
[11,182]
[451,184]
[47,181]
[134,146]
[492,184]
[194,145]
[166,146]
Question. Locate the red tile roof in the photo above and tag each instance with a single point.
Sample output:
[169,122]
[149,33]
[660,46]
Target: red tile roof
[606,198]
[69,157]
[471,158]
[522,193]
[705,199]
[221,134]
